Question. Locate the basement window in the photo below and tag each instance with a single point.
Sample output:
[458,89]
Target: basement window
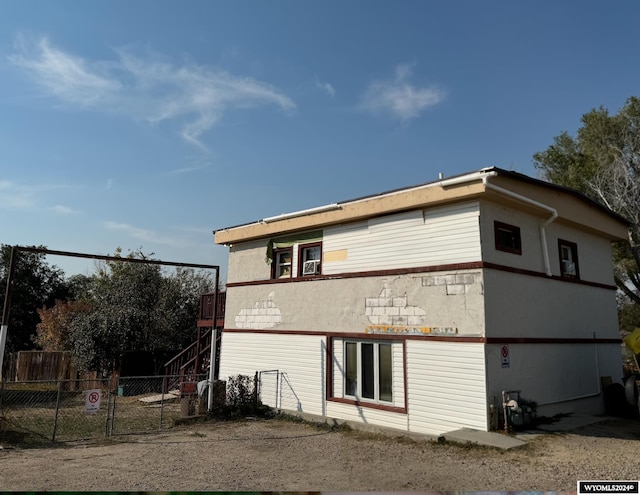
[368,371]
[507,238]
[568,253]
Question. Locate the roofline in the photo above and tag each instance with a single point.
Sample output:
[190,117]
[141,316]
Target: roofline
[467,178]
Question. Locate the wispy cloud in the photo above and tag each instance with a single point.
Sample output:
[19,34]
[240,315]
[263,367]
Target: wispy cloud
[144,234]
[144,88]
[326,87]
[63,210]
[398,97]
[16,196]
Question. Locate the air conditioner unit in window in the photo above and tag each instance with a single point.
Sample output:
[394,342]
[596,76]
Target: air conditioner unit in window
[568,267]
[310,267]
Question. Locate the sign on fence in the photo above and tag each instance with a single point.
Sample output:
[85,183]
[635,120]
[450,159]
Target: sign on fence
[92,403]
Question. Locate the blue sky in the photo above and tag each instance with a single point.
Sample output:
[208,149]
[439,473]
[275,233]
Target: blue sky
[149,124]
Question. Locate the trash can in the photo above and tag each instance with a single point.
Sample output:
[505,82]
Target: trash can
[188,399]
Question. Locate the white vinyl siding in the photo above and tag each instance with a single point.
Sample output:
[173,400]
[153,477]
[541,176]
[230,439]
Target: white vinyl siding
[446,386]
[366,415]
[398,370]
[446,234]
[300,360]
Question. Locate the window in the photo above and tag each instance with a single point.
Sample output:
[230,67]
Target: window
[309,257]
[368,371]
[507,237]
[281,267]
[568,253]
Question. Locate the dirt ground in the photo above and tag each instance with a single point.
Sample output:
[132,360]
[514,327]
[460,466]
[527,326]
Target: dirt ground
[282,455]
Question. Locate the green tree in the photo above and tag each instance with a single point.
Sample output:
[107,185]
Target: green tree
[603,162]
[36,284]
[135,307]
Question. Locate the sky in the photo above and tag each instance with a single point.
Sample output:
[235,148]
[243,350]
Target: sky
[147,125]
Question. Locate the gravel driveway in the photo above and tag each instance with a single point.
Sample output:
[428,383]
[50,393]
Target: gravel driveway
[281,455]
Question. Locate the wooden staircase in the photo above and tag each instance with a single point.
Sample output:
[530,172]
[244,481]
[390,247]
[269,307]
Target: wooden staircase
[193,361]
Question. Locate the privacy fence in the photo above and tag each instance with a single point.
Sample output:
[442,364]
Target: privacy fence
[68,410]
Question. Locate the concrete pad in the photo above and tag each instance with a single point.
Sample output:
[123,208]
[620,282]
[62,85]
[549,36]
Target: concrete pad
[488,438]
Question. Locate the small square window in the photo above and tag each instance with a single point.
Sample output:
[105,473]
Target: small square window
[281,265]
[310,260]
[507,238]
[568,254]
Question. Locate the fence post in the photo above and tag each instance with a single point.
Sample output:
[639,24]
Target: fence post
[55,422]
[162,404]
[107,422]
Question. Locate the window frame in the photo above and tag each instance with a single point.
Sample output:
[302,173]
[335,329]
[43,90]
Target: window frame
[358,395]
[275,264]
[512,229]
[572,247]
[301,260]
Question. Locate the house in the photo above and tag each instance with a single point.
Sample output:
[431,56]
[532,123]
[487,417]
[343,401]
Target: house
[416,308]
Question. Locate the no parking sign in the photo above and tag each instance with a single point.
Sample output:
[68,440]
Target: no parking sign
[92,403]
[504,354]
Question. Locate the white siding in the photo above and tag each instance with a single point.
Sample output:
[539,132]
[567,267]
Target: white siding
[300,359]
[446,386]
[447,234]
[367,416]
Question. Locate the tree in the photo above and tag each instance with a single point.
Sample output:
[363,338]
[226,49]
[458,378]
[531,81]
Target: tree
[135,307]
[35,285]
[54,329]
[603,162]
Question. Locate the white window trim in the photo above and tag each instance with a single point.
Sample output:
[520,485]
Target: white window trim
[376,373]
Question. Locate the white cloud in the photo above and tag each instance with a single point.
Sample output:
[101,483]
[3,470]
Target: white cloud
[144,234]
[399,98]
[15,196]
[326,87]
[64,210]
[145,89]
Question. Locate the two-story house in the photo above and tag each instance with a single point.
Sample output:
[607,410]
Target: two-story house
[415,308]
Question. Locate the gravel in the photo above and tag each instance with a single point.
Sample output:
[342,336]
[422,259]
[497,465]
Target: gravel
[282,455]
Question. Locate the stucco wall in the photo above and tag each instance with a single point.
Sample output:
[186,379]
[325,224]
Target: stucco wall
[538,307]
[439,301]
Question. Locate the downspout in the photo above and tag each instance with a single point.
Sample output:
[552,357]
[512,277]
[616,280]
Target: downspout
[524,199]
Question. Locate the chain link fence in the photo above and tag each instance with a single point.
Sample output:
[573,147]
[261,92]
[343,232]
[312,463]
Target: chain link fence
[68,410]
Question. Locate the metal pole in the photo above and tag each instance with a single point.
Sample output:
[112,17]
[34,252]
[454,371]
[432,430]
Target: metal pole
[55,422]
[214,342]
[4,328]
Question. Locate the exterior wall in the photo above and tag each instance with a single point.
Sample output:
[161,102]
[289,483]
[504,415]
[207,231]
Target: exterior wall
[300,358]
[434,301]
[446,386]
[247,262]
[594,251]
[559,377]
[437,236]
[524,306]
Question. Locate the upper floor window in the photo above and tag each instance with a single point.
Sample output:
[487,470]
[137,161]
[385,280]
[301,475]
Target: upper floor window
[309,259]
[282,263]
[507,237]
[568,253]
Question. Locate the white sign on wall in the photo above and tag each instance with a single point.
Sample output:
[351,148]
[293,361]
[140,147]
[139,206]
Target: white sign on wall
[92,403]
[504,355]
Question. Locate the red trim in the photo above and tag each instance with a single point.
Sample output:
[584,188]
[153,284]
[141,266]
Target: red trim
[425,269]
[404,371]
[434,338]
[529,340]
[329,368]
[370,405]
